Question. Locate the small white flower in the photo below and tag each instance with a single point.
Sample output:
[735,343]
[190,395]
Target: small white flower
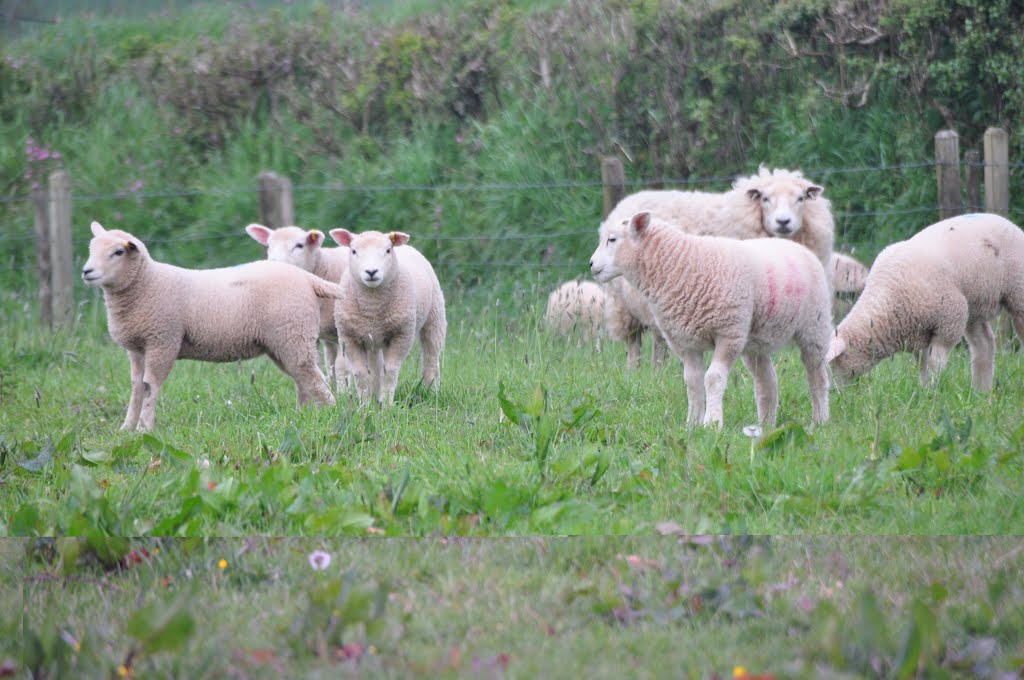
[204,464]
[319,560]
[229,402]
[752,431]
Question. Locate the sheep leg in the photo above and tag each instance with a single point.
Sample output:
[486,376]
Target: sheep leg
[817,382]
[432,337]
[136,359]
[982,344]
[158,364]
[391,363]
[659,348]
[766,387]
[359,364]
[331,362]
[717,378]
[933,360]
[693,375]
[633,348]
[342,371]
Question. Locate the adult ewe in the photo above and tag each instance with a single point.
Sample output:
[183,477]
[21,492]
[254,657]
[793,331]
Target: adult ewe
[777,203]
[926,293]
[391,295]
[303,249]
[577,307]
[737,298]
[161,313]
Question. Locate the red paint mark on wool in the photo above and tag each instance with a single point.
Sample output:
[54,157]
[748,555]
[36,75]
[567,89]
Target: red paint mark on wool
[772,292]
[794,286]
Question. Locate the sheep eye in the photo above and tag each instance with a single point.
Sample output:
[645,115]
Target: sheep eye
[800,199]
[611,239]
[299,246]
[387,251]
[766,200]
[119,251]
[353,252]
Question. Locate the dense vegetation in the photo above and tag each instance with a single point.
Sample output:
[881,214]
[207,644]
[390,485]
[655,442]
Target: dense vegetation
[490,118]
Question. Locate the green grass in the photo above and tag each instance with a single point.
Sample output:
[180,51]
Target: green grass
[607,451]
[791,607]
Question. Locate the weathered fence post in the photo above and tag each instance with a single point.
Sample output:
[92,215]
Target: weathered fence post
[41,208]
[61,264]
[997,172]
[947,165]
[276,208]
[613,177]
[972,159]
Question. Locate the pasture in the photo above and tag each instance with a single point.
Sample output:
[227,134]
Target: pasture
[529,434]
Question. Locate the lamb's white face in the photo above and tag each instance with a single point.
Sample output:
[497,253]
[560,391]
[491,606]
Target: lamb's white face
[604,263]
[113,257]
[292,245]
[782,204]
[372,257]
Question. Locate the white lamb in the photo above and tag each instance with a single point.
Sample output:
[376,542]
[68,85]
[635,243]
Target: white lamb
[577,307]
[737,298]
[304,250]
[778,203]
[391,295]
[161,313]
[848,275]
[926,293]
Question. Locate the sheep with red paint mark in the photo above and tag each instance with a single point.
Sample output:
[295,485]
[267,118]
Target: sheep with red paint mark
[924,294]
[736,298]
[769,204]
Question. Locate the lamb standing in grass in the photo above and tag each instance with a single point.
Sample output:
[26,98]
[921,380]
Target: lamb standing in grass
[391,295]
[161,313]
[926,293]
[738,298]
[577,307]
[778,203]
[304,250]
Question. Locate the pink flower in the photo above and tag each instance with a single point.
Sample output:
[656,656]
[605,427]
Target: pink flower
[319,560]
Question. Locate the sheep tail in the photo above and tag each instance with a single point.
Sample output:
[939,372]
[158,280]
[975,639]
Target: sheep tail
[326,289]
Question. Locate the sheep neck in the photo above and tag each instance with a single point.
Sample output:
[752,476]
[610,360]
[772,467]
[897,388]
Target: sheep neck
[126,296]
[881,326]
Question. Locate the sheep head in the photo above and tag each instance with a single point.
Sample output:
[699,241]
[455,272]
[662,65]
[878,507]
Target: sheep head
[115,258]
[289,244]
[372,258]
[780,195]
[617,241]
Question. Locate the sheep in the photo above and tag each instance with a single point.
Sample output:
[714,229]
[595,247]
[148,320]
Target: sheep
[160,313]
[627,317]
[926,293]
[577,307]
[777,203]
[392,295]
[737,298]
[848,276]
[303,249]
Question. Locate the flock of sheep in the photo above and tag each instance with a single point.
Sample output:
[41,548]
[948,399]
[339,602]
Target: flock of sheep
[740,273]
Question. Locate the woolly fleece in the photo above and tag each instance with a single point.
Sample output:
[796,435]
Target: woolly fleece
[577,307]
[737,298]
[926,293]
[160,313]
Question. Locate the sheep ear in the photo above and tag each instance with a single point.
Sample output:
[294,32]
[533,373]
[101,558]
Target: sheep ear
[130,246]
[398,238]
[97,228]
[753,194]
[314,237]
[813,191]
[639,223]
[835,348]
[259,232]
[343,237]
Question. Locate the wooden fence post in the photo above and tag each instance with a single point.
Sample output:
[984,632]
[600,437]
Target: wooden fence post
[613,177]
[997,172]
[947,165]
[61,263]
[972,159]
[41,208]
[276,208]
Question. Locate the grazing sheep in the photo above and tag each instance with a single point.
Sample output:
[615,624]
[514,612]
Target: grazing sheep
[738,298]
[577,307]
[926,293]
[778,203]
[161,313]
[303,249]
[391,295]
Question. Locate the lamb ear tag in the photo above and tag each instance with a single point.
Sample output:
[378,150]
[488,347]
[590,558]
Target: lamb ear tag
[314,237]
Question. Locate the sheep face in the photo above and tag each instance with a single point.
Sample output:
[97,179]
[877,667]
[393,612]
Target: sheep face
[292,245]
[616,246]
[848,360]
[372,258]
[781,200]
[114,258]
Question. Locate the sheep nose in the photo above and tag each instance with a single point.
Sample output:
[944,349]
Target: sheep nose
[86,271]
[591,264]
[372,272]
[783,221]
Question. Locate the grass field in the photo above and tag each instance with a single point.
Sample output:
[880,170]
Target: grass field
[783,607]
[598,449]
